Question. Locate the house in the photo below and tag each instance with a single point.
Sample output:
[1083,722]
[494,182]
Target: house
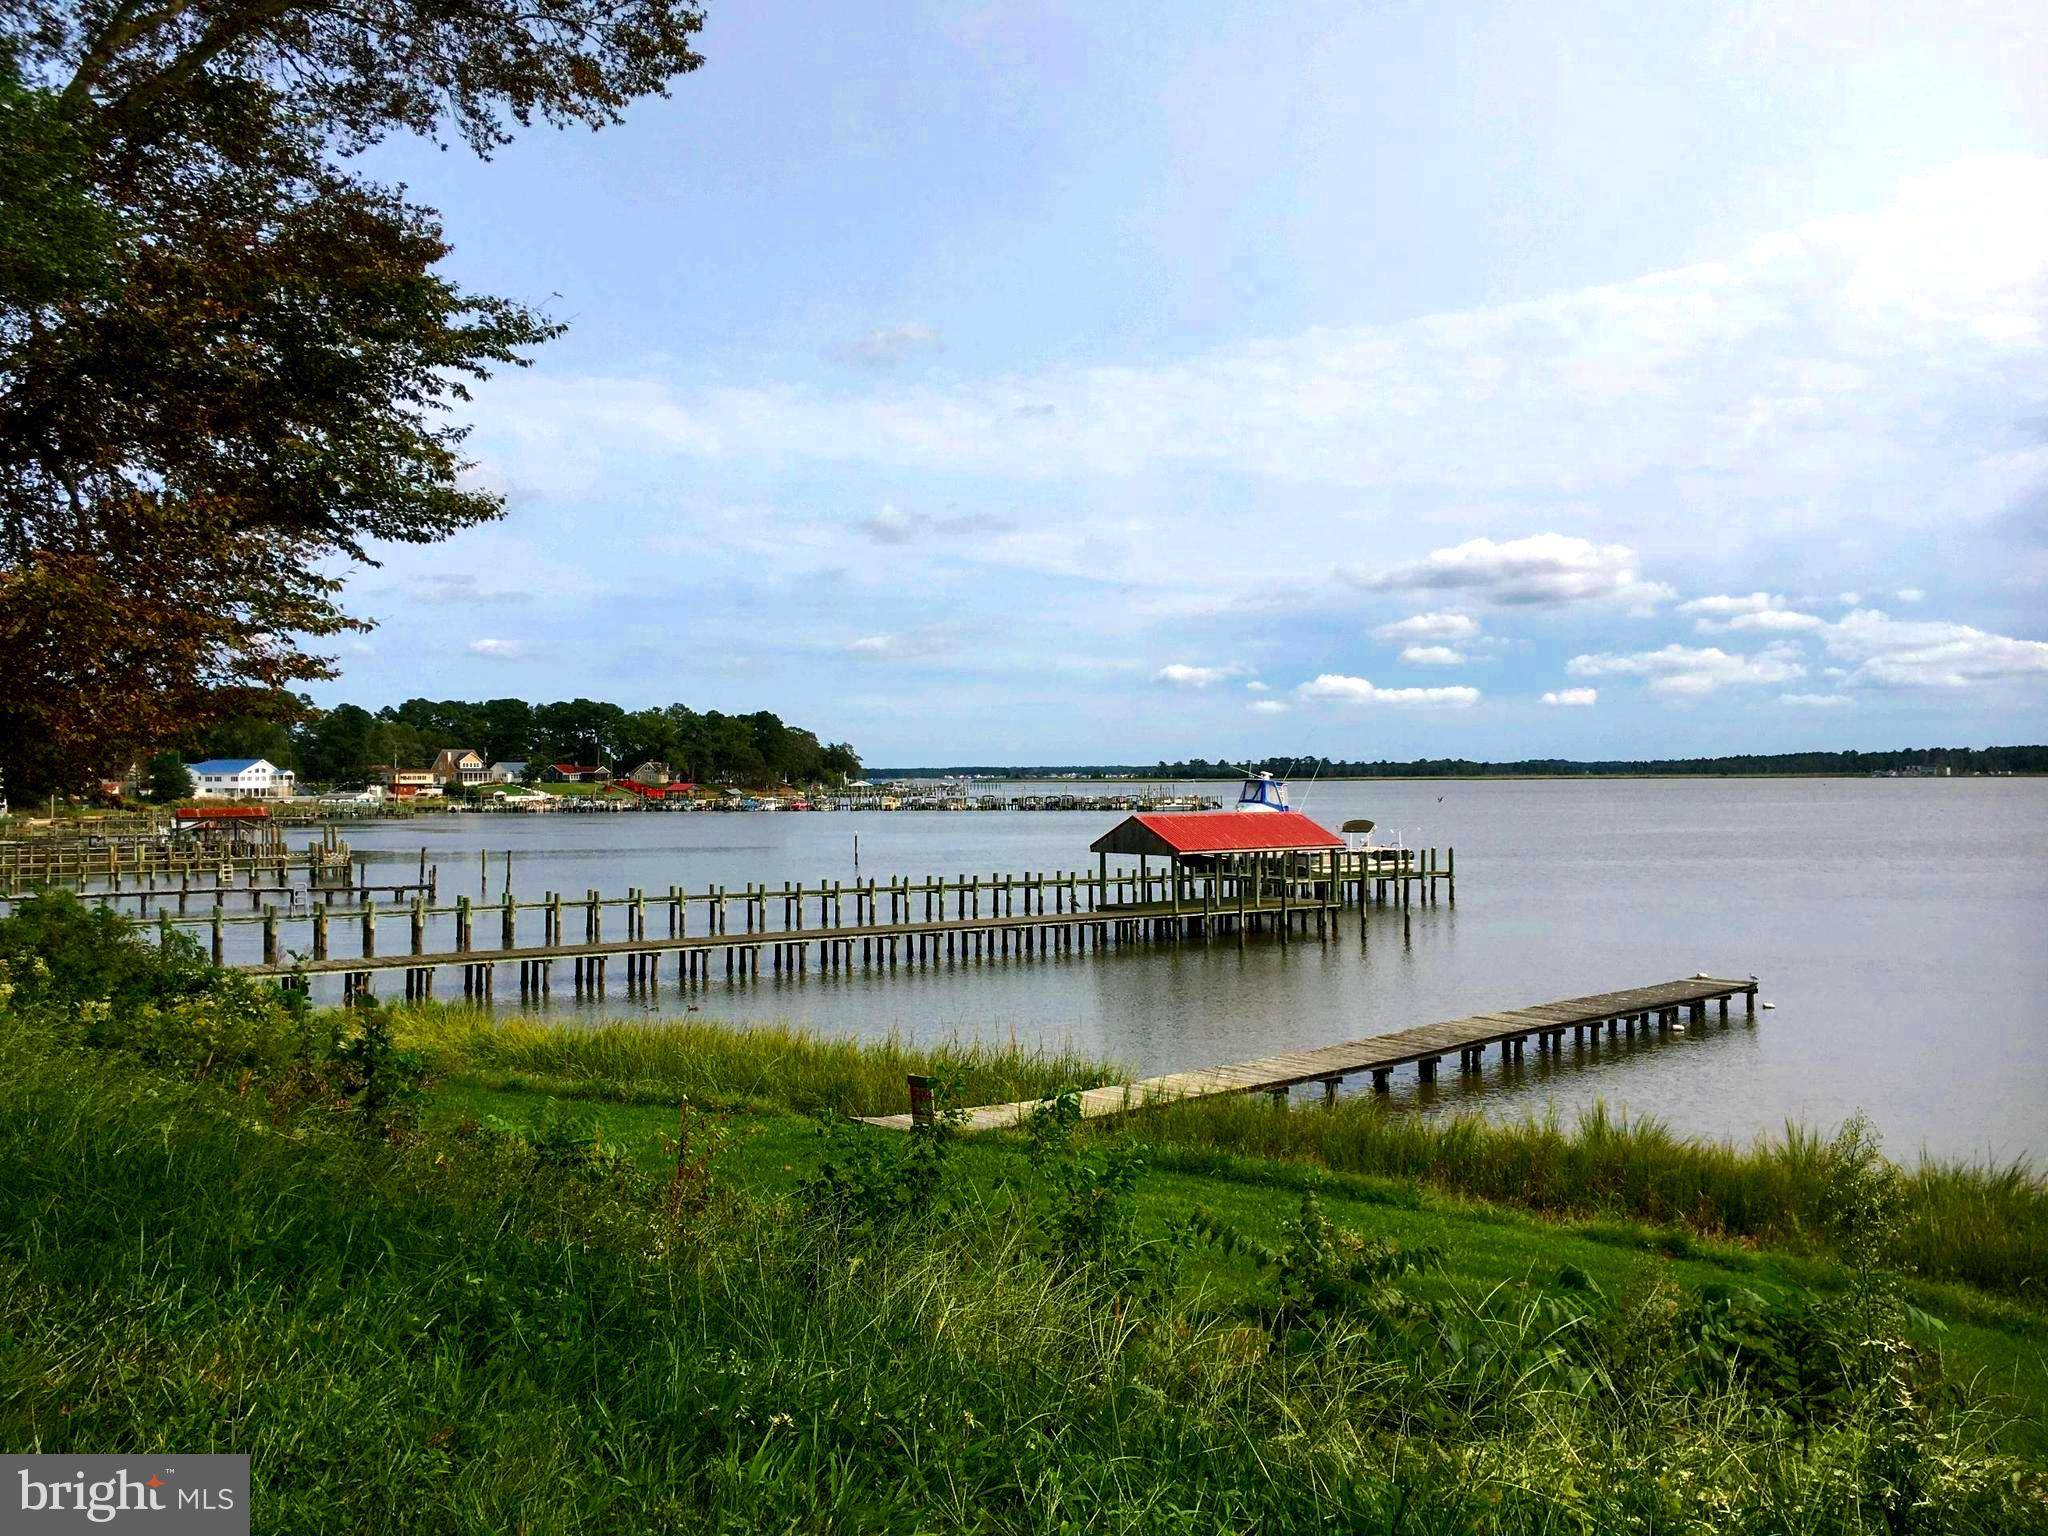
[507,773]
[241,778]
[459,765]
[652,772]
[576,773]
[409,783]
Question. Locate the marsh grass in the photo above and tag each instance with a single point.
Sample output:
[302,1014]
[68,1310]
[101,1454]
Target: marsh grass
[723,1065]
[1983,1224]
[453,1332]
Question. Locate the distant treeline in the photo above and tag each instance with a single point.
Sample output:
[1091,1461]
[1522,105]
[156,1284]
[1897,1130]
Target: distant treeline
[1956,759]
[348,743]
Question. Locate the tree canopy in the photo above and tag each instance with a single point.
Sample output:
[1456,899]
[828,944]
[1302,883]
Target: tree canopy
[349,743]
[228,364]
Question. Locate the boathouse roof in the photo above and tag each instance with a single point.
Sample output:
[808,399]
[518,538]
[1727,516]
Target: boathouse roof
[1167,834]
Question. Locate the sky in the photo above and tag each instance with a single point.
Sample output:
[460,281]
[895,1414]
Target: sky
[1037,383]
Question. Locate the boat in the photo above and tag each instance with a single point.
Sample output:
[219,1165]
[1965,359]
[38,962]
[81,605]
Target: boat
[1262,792]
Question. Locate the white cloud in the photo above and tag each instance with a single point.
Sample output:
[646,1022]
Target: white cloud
[1899,653]
[497,650]
[1850,599]
[1432,656]
[1579,698]
[1814,700]
[1256,687]
[1334,687]
[886,346]
[1541,568]
[1724,606]
[1909,594]
[1430,626]
[1268,707]
[1687,671]
[1183,675]
[1757,610]
[874,645]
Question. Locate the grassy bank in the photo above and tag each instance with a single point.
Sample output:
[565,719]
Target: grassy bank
[1983,1224]
[427,1288]
[719,1067]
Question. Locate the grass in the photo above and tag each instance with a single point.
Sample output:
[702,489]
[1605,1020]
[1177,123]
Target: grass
[479,1302]
[717,1066]
[1983,1224]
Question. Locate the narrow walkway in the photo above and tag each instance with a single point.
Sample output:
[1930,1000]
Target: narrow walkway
[1423,1048]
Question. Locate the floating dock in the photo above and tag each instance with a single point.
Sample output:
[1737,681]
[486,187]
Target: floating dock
[1657,1006]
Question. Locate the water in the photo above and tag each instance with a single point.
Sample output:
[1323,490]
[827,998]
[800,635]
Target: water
[1899,926]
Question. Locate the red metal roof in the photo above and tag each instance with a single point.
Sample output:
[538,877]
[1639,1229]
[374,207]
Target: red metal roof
[222,813]
[1216,832]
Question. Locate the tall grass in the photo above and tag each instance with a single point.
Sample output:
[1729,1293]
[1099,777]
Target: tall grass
[716,1065]
[443,1333]
[1980,1223]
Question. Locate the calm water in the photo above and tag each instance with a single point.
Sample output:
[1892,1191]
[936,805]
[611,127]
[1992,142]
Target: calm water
[1900,928]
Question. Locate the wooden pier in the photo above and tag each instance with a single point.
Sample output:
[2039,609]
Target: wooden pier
[838,925]
[1425,1048]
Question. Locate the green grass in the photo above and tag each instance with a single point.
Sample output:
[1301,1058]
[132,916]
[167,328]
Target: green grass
[718,1066]
[1984,1224]
[222,1227]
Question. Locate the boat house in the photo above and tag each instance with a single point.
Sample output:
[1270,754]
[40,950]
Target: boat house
[1270,848]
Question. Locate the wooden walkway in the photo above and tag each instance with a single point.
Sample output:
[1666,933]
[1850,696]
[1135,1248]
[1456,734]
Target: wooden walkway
[1656,1006]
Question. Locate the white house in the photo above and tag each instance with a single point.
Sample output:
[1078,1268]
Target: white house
[240,778]
[507,773]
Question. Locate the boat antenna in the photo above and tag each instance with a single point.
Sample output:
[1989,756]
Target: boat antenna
[1312,782]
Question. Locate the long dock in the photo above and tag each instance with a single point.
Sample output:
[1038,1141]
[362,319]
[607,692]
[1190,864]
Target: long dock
[909,921]
[1657,1006]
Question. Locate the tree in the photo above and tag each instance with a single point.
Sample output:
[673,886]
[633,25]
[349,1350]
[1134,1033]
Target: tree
[169,779]
[227,364]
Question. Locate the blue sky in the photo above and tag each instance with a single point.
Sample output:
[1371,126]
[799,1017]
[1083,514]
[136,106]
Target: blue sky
[1031,383]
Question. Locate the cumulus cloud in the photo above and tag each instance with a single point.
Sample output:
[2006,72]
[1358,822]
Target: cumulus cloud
[1432,656]
[1430,626]
[874,645]
[886,346]
[1814,700]
[1909,594]
[1334,687]
[1544,568]
[1686,671]
[1268,707]
[497,650]
[1573,698]
[1757,611]
[1256,686]
[1185,675]
[1917,653]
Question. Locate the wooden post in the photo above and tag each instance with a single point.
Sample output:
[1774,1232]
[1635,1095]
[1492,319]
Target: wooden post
[319,932]
[369,928]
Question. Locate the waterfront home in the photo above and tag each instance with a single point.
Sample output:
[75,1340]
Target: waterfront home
[240,778]
[459,765]
[508,772]
[653,772]
[408,783]
[576,773]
